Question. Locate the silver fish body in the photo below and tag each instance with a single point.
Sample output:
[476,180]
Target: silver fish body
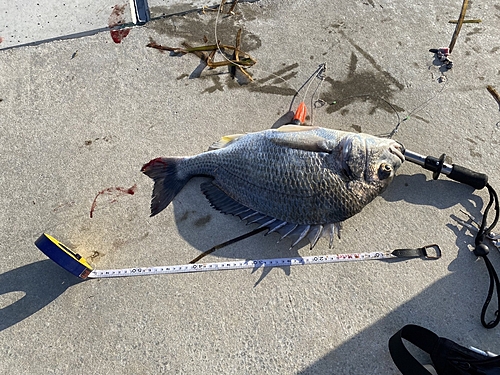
[297,181]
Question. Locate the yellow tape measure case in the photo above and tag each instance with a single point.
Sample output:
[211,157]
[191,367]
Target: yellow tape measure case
[63,256]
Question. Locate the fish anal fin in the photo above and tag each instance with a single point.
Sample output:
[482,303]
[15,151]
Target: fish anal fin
[296,232]
[222,202]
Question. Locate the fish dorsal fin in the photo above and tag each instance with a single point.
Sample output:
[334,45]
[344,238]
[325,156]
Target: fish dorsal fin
[290,128]
[295,136]
[225,141]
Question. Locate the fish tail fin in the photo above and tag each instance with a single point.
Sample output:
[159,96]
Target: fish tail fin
[167,183]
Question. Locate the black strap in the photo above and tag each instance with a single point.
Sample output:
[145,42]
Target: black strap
[409,253]
[448,357]
[482,251]
[428,252]
[494,282]
[419,336]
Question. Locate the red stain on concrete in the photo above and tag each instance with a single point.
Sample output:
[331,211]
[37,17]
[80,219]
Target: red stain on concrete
[115,192]
[116,19]
[118,35]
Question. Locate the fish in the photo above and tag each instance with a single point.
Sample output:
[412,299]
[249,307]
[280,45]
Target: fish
[295,180]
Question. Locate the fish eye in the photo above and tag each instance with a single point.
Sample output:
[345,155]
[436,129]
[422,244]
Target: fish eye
[384,171]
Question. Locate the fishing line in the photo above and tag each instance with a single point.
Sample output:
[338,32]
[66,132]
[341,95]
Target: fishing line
[420,106]
[318,73]
[400,121]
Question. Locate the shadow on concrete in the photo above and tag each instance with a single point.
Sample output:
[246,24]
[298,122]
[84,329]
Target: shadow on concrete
[450,307]
[40,282]
[442,193]
[203,227]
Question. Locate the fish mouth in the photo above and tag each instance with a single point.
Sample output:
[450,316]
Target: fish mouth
[398,150]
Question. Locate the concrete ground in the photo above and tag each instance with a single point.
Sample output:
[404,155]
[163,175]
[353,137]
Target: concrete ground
[82,115]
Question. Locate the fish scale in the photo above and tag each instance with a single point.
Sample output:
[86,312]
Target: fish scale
[299,182]
[271,197]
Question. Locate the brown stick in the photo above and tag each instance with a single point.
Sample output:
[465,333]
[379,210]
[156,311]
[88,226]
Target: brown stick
[236,54]
[229,62]
[466,21]
[237,46]
[159,47]
[494,93]
[198,52]
[459,25]
[233,6]
[248,60]
[210,59]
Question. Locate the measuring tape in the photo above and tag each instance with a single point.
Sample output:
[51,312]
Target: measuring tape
[78,266]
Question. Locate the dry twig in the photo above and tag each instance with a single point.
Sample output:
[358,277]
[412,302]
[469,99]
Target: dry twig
[494,93]
[466,21]
[233,6]
[459,25]
[238,61]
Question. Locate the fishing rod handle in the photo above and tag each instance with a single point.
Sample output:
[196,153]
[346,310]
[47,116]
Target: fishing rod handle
[466,176]
[455,172]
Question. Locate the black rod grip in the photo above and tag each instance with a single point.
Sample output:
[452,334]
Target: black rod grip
[468,177]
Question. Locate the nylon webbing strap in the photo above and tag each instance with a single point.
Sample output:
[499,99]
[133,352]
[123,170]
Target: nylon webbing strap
[448,357]
[419,336]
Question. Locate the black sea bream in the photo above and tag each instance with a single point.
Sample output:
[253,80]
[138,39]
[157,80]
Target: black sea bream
[298,181]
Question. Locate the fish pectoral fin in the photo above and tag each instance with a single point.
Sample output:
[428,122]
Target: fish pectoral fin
[225,141]
[306,142]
